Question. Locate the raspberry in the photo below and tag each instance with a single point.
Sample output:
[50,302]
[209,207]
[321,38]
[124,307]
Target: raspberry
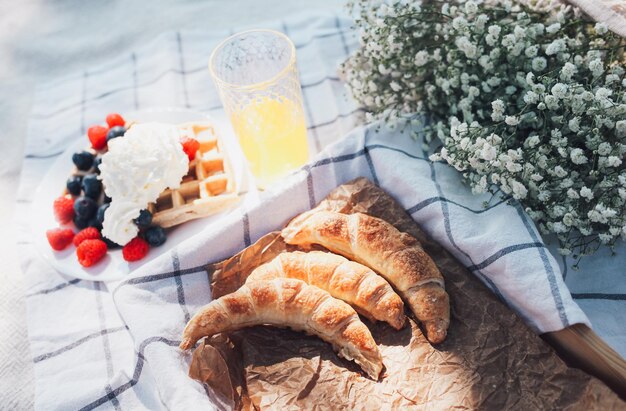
[64,209]
[98,137]
[59,238]
[135,250]
[190,146]
[89,233]
[90,252]
[115,119]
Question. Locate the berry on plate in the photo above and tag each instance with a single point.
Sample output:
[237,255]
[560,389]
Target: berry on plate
[80,222]
[93,222]
[92,186]
[101,211]
[85,208]
[190,147]
[97,136]
[155,235]
[63,209]
[111,244]
[89,233]
[115,119]
[59,238]
[74,185]
[90,252]
[115,132]
[83,160]
[96,165]
[135,250]
[144,219]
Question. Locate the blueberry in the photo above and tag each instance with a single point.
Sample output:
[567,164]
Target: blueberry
[115,132]
[110,244]
[96,165]
[144,219]
[83,160]
[155,235]
[80,222]
[92,186]
[93,222]
[74,185]
[85,208]
[100,212]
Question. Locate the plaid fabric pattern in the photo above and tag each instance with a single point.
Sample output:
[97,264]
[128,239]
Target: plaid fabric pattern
[114,346]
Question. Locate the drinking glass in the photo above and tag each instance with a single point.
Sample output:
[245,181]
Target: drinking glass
[256,76]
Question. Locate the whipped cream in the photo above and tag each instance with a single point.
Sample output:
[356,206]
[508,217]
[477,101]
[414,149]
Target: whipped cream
[136,169]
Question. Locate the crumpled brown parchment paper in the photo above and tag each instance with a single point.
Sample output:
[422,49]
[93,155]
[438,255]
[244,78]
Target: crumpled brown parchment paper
[490,359]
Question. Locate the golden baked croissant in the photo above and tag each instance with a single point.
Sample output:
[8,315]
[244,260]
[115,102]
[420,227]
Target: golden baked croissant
[396,256]
[286,302]
[367,292]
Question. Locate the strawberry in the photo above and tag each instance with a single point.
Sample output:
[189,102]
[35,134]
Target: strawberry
[90,252]
[64,209]
[59,238]
[135,250]
[89,233]
[97,136]
[115,119]
[190,146]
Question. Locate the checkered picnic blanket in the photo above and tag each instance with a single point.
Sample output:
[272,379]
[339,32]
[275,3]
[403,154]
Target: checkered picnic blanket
[115,345]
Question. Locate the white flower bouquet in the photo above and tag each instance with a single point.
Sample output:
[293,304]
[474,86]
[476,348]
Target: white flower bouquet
[527,102]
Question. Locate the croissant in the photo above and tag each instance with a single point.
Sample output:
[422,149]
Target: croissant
[286,302]
[367,292]
[396,256]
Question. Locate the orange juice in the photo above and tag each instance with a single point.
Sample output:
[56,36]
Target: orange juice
[272,134]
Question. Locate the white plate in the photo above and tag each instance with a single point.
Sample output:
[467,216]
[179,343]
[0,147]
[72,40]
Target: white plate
[113,267]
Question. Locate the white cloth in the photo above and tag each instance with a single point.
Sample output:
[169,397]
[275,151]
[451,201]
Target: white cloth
[115,345]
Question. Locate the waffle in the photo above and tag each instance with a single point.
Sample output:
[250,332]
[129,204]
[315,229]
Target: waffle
[208,187]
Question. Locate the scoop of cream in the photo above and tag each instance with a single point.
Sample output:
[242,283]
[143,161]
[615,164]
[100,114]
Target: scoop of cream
[136,169]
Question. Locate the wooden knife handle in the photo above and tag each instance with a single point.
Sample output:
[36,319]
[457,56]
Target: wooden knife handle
[582,348]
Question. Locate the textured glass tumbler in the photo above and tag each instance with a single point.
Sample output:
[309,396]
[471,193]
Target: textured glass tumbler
[256,77]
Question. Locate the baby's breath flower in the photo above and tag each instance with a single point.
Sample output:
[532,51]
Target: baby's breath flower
[573,194]
[467,47]
[620,127]
[603,93]
[559,90]
[585,192]
[532,141]
[601,28]
[539,64]
[578,156]
[574,124]
[553,28]
[459,23]
[497,110]
[508,40]
[555,47]
[614,161]
[568,71]
[511,120]
[531,51]
[531,97]
[494,30]
[421,58]
[552,102]
[518,100]
[596,67]
[605,238]
[519,190]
